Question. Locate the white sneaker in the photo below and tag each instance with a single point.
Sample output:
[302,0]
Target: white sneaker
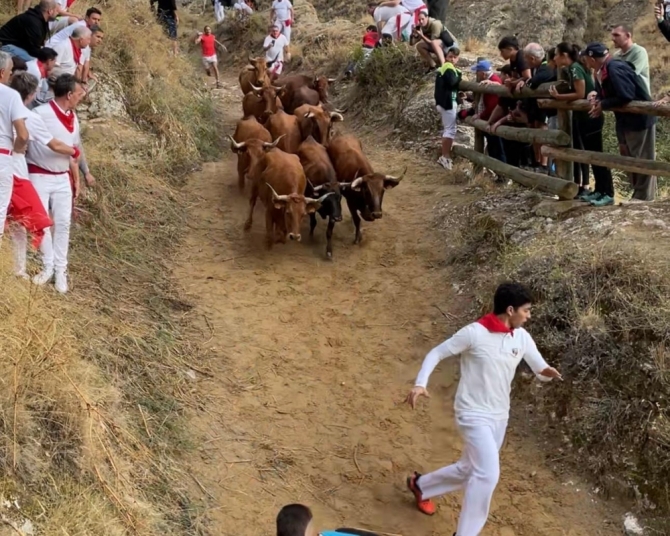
[43,277]
[21,274]
[61,282]
[445,162]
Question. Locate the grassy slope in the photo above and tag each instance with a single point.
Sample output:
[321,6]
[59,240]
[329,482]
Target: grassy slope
[94,383]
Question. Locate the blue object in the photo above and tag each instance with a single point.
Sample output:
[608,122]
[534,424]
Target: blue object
[483,65]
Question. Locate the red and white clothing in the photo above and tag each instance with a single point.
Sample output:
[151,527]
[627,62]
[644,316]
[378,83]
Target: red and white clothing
[240,5]
[282,10]
[275,54]
[50,174]
[490,354]
[398,22]
[415,7]
[38,70]
[208,47]
[69,56]
[65,34]
[11,109]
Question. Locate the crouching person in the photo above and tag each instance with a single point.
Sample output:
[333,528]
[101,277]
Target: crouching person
[446,96]
[297,520]
[55,176]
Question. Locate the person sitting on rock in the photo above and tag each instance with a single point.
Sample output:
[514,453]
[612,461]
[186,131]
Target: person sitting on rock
[432,39]
[446,97]
[297,520]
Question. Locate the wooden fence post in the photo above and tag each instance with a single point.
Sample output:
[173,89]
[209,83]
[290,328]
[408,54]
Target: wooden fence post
[565,169]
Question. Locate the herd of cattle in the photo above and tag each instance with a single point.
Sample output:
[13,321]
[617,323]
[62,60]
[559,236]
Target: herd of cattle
[285,147]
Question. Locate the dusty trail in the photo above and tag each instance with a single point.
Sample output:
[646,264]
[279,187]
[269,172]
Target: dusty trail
[311,360]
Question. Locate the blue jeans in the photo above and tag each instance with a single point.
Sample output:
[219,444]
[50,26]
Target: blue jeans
[17,51]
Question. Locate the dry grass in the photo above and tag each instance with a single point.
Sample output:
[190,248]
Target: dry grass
[92,428]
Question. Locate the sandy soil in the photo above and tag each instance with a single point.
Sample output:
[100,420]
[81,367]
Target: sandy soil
[311,361]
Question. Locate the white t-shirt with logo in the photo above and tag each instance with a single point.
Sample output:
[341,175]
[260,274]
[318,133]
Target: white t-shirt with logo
[276,51]
[282,9]
[11,109]
[65,34]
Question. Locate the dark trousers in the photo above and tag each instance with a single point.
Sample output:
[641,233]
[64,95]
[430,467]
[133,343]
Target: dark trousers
[587,135]
[494,147]
[517,153]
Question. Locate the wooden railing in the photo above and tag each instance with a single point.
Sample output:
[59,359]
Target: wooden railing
[556,144]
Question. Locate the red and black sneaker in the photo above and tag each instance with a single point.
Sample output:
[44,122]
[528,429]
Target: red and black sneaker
[424,505]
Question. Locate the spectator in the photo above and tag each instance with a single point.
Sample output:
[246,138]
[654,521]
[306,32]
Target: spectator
[64,17]
[297,520]
[370,41]
[244,7]
[167,15]
[587,132]
[434,39]
[30,214]
[662,12]
[50,173]
[446,95]
[282,14]
[219,12]
[636,55]
[40,68]
[617,84]
[12,118]
[394,22]
[70,51]
[24,34]
[97,37]
[509,51]
[486,105]
[275,47]
[209,59]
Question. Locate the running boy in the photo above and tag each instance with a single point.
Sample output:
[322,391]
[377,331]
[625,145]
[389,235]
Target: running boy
[490,350]
[446,95]
[209,59]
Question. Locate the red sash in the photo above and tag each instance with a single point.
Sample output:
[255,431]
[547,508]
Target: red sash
[26,209]
[66,118]
[398,21]
[76,52]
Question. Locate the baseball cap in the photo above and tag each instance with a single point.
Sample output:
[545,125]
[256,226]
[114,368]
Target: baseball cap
[595,50]
[482,65]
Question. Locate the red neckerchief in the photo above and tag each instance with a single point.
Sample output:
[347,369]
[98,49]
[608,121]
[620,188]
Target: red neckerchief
[66,118]
[494,324]
[42,68]
[76,52]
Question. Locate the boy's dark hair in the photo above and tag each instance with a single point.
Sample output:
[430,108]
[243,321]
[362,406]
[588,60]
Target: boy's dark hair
[24,83]
[509,41]
[46,54]
[506,69]
[293,520]
[371,28]
[64,84]
[510,295]
[455,51]
[18,64]
[96,29]
[93,10]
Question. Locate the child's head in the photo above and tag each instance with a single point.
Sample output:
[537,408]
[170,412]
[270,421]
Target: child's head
[208,30]
[506,72]
[371,28]
[452,55]
[295,520]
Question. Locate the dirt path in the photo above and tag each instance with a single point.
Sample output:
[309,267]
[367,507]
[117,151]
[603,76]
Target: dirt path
[311,360]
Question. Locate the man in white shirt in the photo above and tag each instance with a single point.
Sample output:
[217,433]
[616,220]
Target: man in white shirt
[41,68]
[71,58]
[56,177]
[396,22]
[275,47]
[490,350]
[282,14]
[35,217]
[12,119]
[415,7]
[241,5]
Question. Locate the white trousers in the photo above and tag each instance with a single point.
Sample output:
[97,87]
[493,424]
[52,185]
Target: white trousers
[56,195]
[477,472]
[219,13]
[20,240]
[285,30]
[6,187]
[241,6]
[406,21]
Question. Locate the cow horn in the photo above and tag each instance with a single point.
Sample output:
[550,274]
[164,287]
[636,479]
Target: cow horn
[255,88]
[332,80]
[274,143]
[357,183]
[309,115]
[237,145]
[318,188]
[251,59]
[276,196]
[345,185]
[337,116]
[279,88]
[396,179]
[320,199]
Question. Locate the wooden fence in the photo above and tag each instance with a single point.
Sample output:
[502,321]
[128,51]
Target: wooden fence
[556,144]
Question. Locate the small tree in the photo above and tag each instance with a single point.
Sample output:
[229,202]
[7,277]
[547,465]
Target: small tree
[438,9]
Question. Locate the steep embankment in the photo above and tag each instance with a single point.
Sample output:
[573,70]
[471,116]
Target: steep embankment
[94,383]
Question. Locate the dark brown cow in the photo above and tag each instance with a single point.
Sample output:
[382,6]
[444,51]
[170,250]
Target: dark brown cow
[293,82]
[321,179]
[361,186]
[317,122]
[248,129]
[255,74]
[285,126]
[278,178]
[261,102]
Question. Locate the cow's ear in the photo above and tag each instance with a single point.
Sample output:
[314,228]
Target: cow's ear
[278,204]
[390,183]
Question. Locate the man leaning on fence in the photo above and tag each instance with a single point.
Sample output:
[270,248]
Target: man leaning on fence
[617,84]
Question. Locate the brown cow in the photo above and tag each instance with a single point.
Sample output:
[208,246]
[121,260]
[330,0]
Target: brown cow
[361,186]
[285,126]
[321,179]
[317,122]
[319,84]
[248,129]
[279,180]
[255,74]
[261,102]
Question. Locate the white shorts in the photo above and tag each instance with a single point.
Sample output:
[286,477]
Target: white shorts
[209,60]
[448,121]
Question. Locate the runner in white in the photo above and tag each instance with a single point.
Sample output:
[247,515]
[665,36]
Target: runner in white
[241,5]
[490,350]
[56,177]
[12,119]
[27,85]
[275,47]
[71,57]
[395,22]
[219,12]
[282,14]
